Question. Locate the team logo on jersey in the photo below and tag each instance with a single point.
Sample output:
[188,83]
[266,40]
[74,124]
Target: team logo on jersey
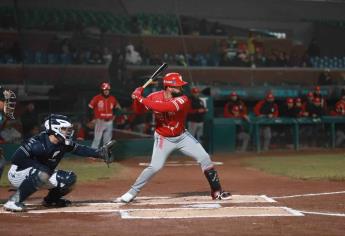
[100,105]
[54,155]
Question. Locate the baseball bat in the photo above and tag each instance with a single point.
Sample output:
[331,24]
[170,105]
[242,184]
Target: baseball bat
[155,74]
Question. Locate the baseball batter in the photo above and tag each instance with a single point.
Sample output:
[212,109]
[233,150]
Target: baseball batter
[170,108]
[103,105]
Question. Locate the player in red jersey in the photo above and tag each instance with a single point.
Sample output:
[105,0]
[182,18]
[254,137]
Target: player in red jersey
[170,107]
[103,105]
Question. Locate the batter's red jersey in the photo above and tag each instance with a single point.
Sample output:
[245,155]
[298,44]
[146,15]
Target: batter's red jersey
[103,107]
[170,114]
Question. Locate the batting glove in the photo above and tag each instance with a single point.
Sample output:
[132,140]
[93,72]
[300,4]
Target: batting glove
[137,93]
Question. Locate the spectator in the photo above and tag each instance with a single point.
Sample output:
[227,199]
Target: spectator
[325,78]
[86,131]
[317,94]
[29,119]
[269,109]
[243,129]
[132,56]
[285,131]
[196,115]
[314,132]
[298,107]
[235,100]
[107,56]
[251,44]
[10,133]
[307,104]
[339,110]
[288,109]
[316,110]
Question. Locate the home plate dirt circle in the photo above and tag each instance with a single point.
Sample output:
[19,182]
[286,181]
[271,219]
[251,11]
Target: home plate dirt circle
[183,207]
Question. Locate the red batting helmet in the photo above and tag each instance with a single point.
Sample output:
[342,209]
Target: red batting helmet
[173,80]
[105,86]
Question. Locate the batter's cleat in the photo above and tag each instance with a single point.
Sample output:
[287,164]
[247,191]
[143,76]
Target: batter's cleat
[126,198]
[222,195]
[14,206]
[61,202]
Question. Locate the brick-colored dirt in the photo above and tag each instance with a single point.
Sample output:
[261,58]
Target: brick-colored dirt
[189,180]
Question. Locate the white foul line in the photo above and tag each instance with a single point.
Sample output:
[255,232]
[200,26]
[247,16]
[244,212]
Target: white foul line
[308,195]
[323,213]
[175,163]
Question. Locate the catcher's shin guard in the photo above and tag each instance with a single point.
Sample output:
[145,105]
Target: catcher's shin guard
[66,181]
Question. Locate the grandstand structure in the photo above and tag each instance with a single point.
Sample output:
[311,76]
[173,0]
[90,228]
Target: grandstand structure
[61,46]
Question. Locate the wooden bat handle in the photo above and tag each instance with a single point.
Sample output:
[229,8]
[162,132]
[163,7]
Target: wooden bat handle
[147,83]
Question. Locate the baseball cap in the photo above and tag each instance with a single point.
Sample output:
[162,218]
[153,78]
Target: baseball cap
[310,94]
[289,100]
[195,90]
[233,94]
[269,96]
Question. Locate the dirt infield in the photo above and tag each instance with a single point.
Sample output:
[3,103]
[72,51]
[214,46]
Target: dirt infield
[323,208]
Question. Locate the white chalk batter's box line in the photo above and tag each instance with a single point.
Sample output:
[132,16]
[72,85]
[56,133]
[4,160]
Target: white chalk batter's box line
[126,214]
[182,163]
[164,200]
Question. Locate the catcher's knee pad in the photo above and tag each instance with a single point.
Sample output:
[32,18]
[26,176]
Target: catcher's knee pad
[65,180]
[39,178]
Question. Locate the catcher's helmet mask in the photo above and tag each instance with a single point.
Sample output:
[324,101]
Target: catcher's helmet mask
[61,127]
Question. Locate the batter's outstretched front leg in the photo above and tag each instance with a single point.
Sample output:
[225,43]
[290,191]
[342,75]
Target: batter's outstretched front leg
[161,150]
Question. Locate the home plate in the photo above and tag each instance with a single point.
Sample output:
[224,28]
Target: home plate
[180,213]
[200,199]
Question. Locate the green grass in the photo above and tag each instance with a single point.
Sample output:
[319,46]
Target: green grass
[86,170]
[321,167]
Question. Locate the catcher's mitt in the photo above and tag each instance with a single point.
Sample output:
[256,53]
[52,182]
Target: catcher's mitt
[10,103]
[105,152]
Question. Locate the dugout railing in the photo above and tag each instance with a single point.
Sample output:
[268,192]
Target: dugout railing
[220,133]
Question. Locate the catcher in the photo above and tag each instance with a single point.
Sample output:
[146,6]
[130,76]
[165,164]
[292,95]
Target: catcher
[7,106]
[34,162]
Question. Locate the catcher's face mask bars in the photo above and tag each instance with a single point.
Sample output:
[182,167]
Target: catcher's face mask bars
[10,103]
